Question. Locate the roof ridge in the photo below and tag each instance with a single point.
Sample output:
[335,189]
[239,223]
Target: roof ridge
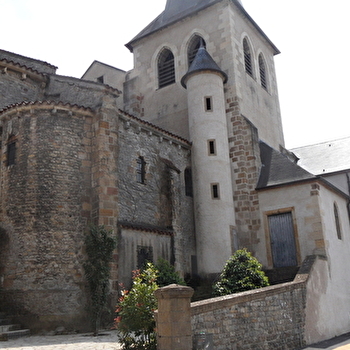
[321,143]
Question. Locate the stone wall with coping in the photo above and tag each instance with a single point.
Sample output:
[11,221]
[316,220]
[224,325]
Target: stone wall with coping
[266,318]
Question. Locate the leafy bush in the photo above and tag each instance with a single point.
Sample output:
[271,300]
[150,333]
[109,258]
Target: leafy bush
[167,274]
[99,246]
[242,272]
[135,312]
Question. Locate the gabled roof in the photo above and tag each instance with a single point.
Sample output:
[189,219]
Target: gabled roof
[325,157]
[98,63]
[277,169]
[177,10]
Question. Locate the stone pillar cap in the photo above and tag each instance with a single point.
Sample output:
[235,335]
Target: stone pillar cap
[174,291]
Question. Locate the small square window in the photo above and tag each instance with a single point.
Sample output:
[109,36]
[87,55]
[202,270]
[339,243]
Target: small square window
[211,147]
[101,79]
[215,191]
[208,104]
[144,256]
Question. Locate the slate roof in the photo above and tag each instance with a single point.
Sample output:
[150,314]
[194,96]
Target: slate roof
[325,157]
[177,10]
[202,62]
[277,169]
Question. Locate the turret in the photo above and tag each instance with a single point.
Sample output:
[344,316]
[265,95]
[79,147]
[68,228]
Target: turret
[212,183]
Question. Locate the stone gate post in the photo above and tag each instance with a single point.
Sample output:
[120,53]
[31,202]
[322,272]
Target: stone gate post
[174,330]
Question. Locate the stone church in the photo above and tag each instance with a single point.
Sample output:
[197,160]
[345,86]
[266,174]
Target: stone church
[182,157]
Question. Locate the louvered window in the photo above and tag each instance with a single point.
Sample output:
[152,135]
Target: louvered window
[193,48]
[247,57]
[262,70]
[166,68]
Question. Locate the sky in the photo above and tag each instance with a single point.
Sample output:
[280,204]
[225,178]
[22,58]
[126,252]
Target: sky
[313,70]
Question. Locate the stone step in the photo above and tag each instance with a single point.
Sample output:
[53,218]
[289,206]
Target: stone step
[5,321]
[14,334]
[9,330]
[9,327]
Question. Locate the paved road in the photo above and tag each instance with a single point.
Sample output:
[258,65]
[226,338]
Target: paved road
[109,341]
[339,343]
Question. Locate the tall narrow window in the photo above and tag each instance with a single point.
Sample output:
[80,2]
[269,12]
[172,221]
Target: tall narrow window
[188,182]
[140,170]
[166,68]
[215,191]
[337,221]
[248,62]
[262,71]
[211,147]
[193,48]
[11,151]
[208,104]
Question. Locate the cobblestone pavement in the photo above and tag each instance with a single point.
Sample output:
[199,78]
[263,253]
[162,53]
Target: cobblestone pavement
[107,341]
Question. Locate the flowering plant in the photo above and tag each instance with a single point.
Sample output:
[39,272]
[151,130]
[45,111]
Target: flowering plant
[135,320]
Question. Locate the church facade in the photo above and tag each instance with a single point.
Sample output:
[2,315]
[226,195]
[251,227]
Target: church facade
[182,157]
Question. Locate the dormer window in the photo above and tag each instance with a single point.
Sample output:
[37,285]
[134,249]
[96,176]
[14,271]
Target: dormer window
[248,62]
[193,48]
[166,68]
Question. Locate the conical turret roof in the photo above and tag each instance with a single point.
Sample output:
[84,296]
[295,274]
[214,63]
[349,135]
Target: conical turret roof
[203,62]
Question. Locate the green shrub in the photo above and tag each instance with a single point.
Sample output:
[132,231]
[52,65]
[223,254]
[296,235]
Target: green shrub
[99,245]
[242,272]
[167,274]
[135,320]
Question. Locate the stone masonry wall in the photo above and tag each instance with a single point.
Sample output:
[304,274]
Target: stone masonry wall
[159,206]
[45,198]
[262,319]
[245,156]
[16,86]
